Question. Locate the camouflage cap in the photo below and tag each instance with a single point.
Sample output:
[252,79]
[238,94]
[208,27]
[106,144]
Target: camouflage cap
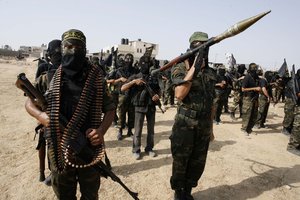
[73,34]
[198,36]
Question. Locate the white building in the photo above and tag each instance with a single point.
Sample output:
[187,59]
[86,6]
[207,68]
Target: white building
[33,51]
[137,48]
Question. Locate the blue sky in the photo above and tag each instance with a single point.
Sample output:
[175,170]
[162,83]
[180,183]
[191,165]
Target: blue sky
[168,23]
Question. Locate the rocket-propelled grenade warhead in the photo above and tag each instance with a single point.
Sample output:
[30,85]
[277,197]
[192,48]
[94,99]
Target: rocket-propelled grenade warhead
[232,31]
[240,27]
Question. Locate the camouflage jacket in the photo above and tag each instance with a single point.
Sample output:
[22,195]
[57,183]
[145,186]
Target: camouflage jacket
[202,92]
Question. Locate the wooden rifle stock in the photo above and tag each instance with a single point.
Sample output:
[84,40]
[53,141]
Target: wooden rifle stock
[36,97]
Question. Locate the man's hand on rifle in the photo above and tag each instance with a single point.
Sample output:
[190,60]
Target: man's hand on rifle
[139,81]
[95,136]
[155,97]
[43,118]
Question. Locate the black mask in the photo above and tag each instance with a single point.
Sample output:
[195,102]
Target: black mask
[241,69]
[56,58]
[145,69]
[73,61]
[253,73]
[298,73]
[144,65]
[221,72]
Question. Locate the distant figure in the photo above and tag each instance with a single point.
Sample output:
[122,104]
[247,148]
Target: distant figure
[250,89]
[44,74]
[144,105]
[231,62]
[294,142]
[264,100]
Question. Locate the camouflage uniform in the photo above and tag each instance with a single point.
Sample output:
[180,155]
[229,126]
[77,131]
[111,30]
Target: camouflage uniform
[237,96]
[250,104]
[294,142]
[221,95]
[289,107]
[168,90]
[192,128]
[295,135]
[114,92]
[125,99]
[263,104]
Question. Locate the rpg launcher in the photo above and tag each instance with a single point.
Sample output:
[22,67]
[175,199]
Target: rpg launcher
[232,31]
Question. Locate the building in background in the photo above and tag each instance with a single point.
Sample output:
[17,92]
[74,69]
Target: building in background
[137,48]
[33,51]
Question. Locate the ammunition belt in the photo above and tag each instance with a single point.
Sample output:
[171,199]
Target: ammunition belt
[60,152]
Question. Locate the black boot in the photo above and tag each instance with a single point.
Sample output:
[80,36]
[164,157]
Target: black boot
[129,132]
[47,181]
[188,193]
[179,195]
[120,136]
[42,177]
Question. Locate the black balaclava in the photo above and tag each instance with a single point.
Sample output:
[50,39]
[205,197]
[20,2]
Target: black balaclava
[253,70]
[241,69]
[128,61]
[144,65]
[221,71]
[194,45]
[54,52]
[298,74]
[95,60]
[73,53]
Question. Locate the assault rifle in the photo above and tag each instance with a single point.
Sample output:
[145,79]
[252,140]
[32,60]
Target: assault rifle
[39,100]
[152,93]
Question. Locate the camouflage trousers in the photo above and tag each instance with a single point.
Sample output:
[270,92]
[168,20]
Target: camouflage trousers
[115,97]
[249,110]
[289,107]
[263,107]
[65,184]
[189,145]
[169,94]
[295,135]
[219,103]
[237,101]
[125,107]
[278,94]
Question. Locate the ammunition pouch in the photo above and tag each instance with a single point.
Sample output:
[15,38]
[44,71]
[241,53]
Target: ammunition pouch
[190,113]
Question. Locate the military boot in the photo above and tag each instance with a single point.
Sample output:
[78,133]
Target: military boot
[188,193]
[129,132]
[179,195]
[47,181]
[42,176]
[120,136]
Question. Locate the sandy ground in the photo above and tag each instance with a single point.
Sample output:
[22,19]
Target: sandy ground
[238,168]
